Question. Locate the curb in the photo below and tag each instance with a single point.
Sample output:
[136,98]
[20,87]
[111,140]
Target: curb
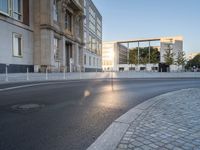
[114,133]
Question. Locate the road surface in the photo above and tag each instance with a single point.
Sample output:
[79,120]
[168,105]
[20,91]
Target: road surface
[70,115]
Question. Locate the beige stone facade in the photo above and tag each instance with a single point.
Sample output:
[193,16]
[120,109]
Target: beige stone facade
[42,35]
[58,35]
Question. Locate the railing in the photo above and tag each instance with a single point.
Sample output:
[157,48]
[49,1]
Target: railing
[22,77]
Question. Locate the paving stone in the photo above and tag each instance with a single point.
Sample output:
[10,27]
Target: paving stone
[177,148]
[169,146]
[173,122]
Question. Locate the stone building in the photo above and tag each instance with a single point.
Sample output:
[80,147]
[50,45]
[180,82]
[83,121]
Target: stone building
[42,34]
[58,34]
[16,35]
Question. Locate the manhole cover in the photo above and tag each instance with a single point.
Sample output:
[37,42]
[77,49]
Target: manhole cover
[27,107]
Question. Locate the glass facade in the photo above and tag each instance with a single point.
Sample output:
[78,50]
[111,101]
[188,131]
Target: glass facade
[93,40]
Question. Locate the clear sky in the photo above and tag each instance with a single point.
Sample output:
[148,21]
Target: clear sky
[129,19]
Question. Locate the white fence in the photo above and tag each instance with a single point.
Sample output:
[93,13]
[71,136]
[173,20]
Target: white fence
[20,77]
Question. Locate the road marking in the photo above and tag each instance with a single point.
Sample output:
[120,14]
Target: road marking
[32,85]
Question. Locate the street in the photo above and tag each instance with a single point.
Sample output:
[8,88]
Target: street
[72,114]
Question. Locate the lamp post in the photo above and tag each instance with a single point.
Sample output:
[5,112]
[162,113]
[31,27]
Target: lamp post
[138,58]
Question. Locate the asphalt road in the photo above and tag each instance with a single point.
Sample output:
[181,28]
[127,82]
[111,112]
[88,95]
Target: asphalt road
[72,114]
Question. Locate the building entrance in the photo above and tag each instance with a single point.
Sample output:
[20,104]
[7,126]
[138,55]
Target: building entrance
[69,57]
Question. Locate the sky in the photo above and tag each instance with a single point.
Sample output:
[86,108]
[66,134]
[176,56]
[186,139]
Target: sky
[131,19]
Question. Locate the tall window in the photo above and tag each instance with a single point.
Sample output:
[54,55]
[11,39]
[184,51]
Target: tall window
[55,10]
[4,8]
[85,37]
[89,60]
[94,45]
[94,62]
[68,21]
[56,49]
[90,43]
[78,27]
[85,59]
[13,8]
[17,45]
[17,9]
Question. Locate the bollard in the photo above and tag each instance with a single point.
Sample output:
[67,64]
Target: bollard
[27,74]
[112,81]
[6,73]
[96,74]
[64,74]
[80,72]
[47,73]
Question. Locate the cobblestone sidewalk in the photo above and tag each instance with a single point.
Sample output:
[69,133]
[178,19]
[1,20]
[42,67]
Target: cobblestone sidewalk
[173,123]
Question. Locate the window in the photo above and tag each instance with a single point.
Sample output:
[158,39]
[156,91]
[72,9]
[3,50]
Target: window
[90,43]
[92,20]
[85,37]
[4,7]
[17,45]
[55,10]
[94,45]
[17,9]
[68,21]
[90,61]
[94,63]
[12,8]
[85,59]
[56,49]
[85,4]
[78,28]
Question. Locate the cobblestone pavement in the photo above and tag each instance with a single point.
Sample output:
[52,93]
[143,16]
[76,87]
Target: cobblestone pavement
[173,123]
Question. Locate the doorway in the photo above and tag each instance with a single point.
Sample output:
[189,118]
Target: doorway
[69,56]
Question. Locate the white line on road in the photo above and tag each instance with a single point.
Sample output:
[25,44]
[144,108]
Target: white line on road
[32,85]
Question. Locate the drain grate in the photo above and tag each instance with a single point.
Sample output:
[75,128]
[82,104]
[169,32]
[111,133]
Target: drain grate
[26,107]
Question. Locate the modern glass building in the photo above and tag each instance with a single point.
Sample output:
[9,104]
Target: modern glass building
[92,52]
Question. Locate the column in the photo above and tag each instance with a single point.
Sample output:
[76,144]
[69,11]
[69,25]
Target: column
[138,52]
[149,52]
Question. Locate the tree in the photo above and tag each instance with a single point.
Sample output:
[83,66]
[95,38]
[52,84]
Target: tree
[180,59]
[144,55]
[133,57]
[194,62]
[169,55]
[154,56]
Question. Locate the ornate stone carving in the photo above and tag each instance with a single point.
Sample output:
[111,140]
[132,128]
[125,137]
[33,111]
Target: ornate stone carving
[64,4]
